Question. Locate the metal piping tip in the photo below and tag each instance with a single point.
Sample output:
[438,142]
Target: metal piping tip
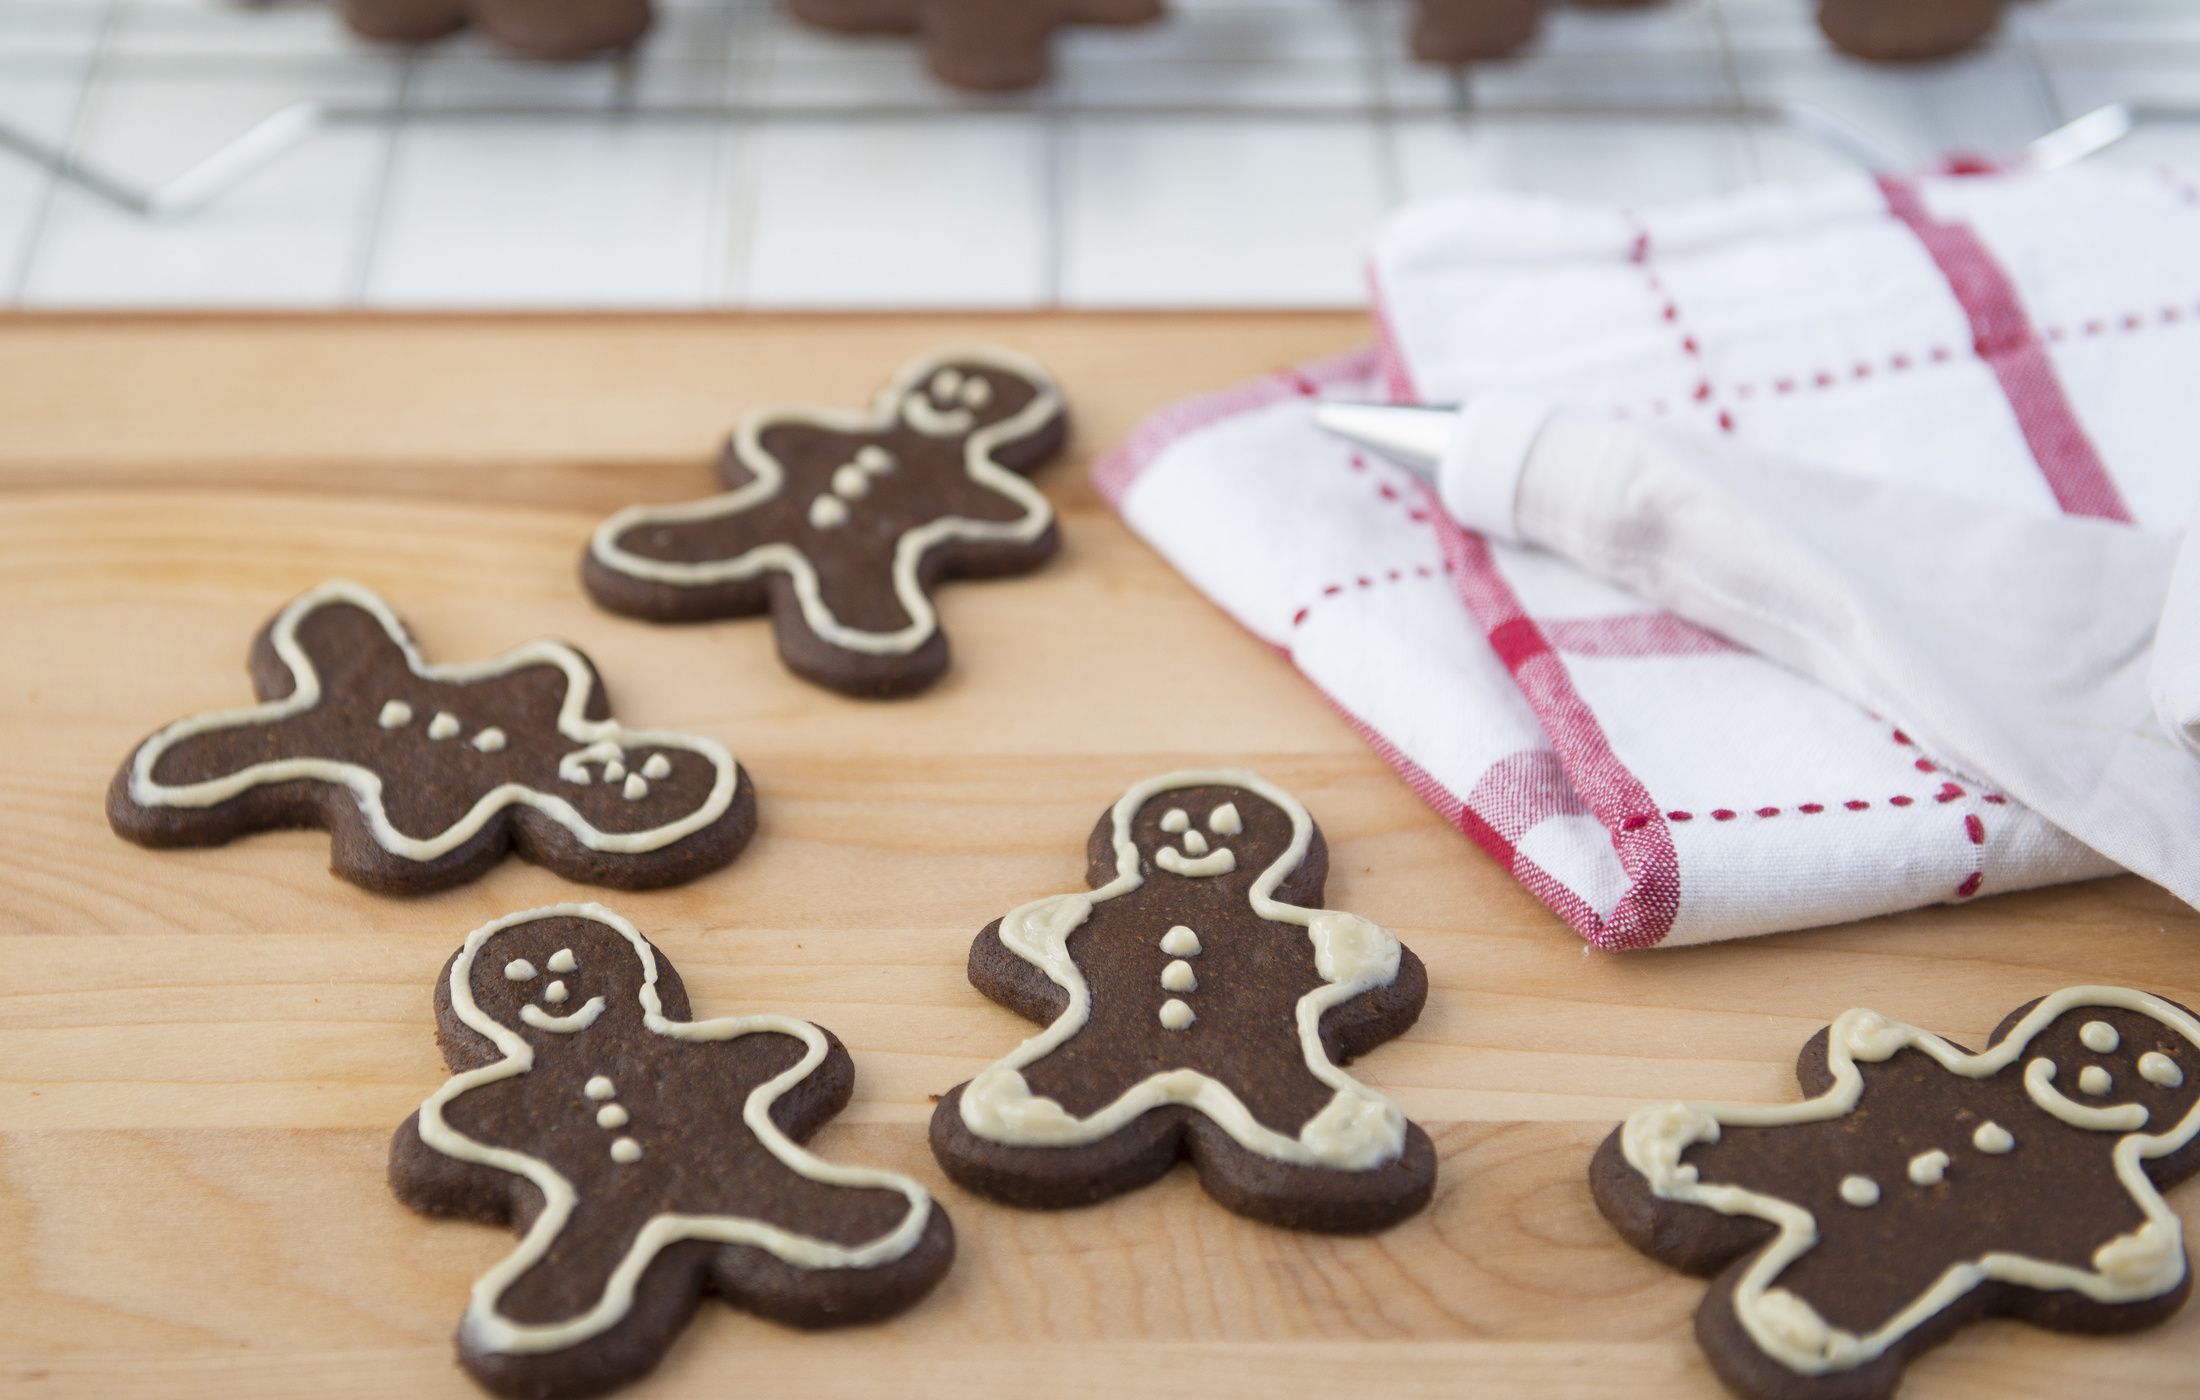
[1412,435]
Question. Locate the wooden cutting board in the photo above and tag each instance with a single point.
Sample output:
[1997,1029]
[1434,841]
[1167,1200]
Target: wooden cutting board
[202,1053]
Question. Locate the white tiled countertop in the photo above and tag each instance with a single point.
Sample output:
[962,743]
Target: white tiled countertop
[1235,155]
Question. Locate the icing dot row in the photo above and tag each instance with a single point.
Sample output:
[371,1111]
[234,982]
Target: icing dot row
[396,714]
[1179,943]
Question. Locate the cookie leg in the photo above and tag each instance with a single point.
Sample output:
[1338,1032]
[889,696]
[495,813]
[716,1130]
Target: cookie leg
[562,29]
[404,21]
[1314,1198]
[858,16]
[1902,31]
[989,44]
[1750,1373]
[760,1282]
[1054,1178]
[1466,31]
[664,1300]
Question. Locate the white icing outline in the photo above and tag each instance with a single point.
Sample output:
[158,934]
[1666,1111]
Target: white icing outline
[1357,1130]
[2143,1263]
[487,1330]
[909,551]
[366,785]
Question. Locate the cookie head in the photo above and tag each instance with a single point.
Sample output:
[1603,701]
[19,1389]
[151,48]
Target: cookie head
[958,395]
[2113,1069]
[557,976]
[1210,831]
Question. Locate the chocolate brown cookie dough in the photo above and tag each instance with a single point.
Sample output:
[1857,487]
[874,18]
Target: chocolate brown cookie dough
[545,29]
[841,523]
[1922,1187]
[1198,1004]
[425,775]
[981,44]
[1907,31]
[645,1158]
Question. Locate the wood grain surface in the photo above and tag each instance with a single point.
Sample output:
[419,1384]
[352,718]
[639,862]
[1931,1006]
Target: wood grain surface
[202,1053]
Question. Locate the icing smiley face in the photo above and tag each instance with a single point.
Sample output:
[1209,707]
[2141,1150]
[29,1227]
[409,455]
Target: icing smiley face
[2112,1069]
[1204,832]
[426,774]
[541,978]
[840,524]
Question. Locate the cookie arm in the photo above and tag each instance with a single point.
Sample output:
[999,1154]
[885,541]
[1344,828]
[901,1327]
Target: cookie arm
[1016,984]
[1689,1238]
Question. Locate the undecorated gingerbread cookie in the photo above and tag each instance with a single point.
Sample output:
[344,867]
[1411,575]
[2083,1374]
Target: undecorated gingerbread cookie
[546,29]
[840,523]
[984,44]
[1198,1003]
[648,1159]
[425,775]
[1922,1187]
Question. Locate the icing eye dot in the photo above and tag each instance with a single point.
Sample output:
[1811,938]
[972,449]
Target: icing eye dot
[519,969]
[445,725]
[394,713]
[562,961]
[1194,844]
[656,766]
[1180,942]
[555,993]
[2094,1080]
[1174,820]
[1224,820]
[1860,1191]
[626,1150]
[1993,1138]
[613,771]
[490,740]
[976,393]
[947,383]
[599,1087]
[610,1116]
[2100,1037]
[2158,1068]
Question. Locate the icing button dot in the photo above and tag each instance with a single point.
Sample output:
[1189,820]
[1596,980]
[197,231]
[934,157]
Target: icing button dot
[626,1150]
[610,1116]
[874,458]
[613,771]
[1180,942]
[1992,1137]
[599,1087]
[490,740]
[519,969]
[637,787]
[2100,1037]
[828,513]
[657,766]
[1929,1168]
[563,961]
[444,725]
[851,483]
[394,713]
[1860,1191]
[1178,977]
[1175,1015]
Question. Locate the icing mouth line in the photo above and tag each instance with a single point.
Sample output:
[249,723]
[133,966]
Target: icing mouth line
[1220,861]
[579,1020]
[918,412]
[2121,1118]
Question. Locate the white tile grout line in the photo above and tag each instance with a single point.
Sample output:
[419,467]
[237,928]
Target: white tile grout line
[88,79]
[361,276]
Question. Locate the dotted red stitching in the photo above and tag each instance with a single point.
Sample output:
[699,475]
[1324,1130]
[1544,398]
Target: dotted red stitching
[2184,188]
[1669,311]
[1367,581]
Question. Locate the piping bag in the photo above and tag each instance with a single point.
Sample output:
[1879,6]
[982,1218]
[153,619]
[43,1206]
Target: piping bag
[2054,658]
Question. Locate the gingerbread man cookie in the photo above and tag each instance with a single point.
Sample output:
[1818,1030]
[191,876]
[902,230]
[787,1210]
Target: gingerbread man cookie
[1921,1187]
[1904,31]
[840,523]
[424,775]
[648,1159]
[546,29]
[984,44]
[1466,31]
[1198,1003]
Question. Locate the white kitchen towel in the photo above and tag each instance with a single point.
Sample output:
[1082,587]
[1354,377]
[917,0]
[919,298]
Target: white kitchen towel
[2033,341]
